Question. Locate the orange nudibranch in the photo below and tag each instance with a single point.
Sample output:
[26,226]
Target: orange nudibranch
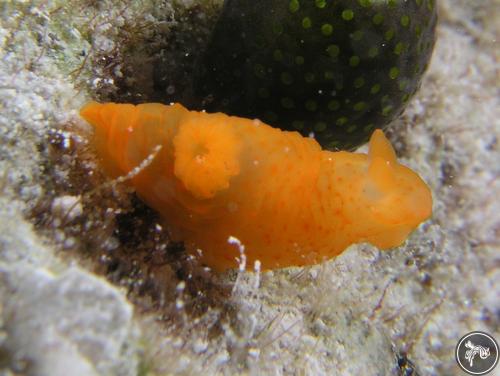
[287,201]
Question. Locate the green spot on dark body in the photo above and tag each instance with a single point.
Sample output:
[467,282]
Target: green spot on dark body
[294,6]
[309,77]
[333,105]
[320,126]
[373,51]
[394,73]
[360,106]
[327,29]
[399,48]
[351,128]
[320,3]
[329,75]
[259,70]
[369,128]
[287,103]
[359,82]
[357,35]
[333,50]
[378,18]
[278,55]
[354,61]
[286,78]
[311,105]
[348,14]
[277,29]
[342,121]
[375,89]
[386,110]
[389,34]
[405,21]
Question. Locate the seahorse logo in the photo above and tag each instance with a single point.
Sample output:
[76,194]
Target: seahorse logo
[484,352]
[477,353]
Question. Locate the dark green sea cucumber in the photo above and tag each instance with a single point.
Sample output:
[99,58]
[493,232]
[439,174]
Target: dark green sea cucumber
[337,69]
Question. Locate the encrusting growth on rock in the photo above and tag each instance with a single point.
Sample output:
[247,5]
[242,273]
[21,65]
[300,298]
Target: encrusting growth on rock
[288,201]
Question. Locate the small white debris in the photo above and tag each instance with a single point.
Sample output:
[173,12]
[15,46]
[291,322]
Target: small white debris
[118,71]
[170,89]
[177,343]
[200,346]
[242,260]
[69,243]
[221,359]
[234,241]
[68,207]
[66,142]
[110,244]
[254,352]
[256,268]
[313,273]
[179,303]
[181,286]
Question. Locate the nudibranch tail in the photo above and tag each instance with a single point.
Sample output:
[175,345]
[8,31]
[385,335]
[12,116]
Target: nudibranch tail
[288,201]
[110,130]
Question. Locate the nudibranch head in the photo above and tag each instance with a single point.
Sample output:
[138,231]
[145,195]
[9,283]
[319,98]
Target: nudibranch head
[391,195]
[337,68]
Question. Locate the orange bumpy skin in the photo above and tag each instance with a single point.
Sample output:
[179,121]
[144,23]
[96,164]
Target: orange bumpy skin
[285,199]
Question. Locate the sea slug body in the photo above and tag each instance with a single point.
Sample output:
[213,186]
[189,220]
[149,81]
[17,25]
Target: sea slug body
[218,177]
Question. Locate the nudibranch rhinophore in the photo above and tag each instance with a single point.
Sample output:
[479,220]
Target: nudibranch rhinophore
[218,177]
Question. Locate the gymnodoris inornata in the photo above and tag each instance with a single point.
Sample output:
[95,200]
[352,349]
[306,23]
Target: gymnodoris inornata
[288,201]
